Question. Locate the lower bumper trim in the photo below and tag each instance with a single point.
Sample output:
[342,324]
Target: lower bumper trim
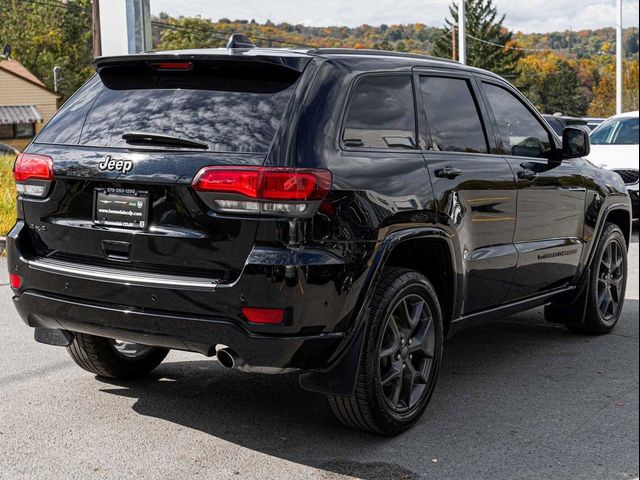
[168,330]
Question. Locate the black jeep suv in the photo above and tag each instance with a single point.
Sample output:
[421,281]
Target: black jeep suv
[330,212]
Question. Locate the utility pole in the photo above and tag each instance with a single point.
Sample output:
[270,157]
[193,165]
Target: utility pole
[453,43]
[95,16]
[462,39]
[619,48]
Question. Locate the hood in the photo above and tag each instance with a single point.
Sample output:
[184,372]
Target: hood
[614,157]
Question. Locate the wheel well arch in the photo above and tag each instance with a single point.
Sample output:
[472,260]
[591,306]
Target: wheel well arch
[432,257]
[621,218]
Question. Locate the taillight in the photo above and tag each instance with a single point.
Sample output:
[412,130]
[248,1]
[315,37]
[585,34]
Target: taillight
[269,316]
[269,190]
[15,281]
[33,174]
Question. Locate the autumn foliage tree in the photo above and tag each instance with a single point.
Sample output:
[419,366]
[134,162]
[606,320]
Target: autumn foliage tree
[604,93]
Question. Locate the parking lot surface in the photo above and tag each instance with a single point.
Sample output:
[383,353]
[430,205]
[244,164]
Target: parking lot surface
[518,398]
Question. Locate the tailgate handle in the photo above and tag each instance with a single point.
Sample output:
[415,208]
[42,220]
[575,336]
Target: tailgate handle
[116,250]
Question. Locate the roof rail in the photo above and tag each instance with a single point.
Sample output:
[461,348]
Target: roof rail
[380,53]
[238,40]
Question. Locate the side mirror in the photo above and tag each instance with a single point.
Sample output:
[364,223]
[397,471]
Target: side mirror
[575,142]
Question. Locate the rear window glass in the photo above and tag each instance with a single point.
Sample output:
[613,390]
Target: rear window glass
[230,108]
[381,114]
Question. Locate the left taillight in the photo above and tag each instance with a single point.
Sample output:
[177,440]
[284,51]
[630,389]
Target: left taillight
[266,190]
[33,174]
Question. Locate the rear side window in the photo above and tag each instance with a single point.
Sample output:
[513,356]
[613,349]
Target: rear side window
[230,108]
[381,114]
[452,115]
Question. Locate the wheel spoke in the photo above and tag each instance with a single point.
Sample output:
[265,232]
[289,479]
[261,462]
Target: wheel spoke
[606,259]
[421,341]
[605,301]
[392,374]
[616,283]
[416,315]
[397,390]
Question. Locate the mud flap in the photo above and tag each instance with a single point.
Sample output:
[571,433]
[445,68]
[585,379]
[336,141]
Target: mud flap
[52,336]
[340,379]
[570,311]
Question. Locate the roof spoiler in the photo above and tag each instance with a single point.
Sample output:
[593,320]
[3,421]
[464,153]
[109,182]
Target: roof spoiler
[238,40]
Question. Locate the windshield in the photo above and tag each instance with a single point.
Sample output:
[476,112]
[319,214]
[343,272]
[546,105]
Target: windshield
[617,131]
[230,109]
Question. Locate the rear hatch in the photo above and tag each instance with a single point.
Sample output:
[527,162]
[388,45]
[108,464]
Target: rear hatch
[127,146]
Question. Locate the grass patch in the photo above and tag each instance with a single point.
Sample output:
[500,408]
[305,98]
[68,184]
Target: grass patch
[7,195]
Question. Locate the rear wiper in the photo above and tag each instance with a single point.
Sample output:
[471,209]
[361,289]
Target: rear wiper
[161,139]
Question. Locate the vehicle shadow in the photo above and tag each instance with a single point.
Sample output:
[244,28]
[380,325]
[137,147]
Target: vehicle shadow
[499,364]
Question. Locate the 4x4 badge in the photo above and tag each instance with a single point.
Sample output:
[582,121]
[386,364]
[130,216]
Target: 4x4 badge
[109,164]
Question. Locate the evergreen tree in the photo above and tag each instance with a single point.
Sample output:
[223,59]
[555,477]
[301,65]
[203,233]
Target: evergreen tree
[482,22]
[561,92]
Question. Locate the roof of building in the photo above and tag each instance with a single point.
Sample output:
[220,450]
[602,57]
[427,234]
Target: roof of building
[15,67]
[15,114]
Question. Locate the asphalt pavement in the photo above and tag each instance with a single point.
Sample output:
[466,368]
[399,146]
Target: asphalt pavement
[517,399]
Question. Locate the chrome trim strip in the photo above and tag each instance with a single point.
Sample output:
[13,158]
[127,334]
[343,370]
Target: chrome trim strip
[121,276]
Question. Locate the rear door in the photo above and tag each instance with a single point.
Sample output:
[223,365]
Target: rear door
[129,201]
[551,195]
[475,189]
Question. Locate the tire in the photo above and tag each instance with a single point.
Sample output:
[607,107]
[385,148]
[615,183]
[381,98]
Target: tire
[612,245]
[371,406]
[108,358]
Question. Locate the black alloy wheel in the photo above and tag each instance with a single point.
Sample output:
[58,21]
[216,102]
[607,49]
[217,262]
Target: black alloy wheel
[406,353]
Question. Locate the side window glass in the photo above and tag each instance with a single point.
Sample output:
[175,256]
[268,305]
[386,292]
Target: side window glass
[381,114]
[522,133]
[600,136]
[452,115]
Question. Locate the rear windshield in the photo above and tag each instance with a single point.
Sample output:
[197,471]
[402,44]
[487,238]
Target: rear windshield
[231,108]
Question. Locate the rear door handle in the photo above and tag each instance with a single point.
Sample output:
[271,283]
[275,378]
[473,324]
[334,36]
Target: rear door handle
[527,174]
[448,172]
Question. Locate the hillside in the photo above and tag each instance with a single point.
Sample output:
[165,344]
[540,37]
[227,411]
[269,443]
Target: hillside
[185,32]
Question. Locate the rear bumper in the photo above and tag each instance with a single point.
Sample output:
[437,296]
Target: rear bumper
[195,317]
[173,331]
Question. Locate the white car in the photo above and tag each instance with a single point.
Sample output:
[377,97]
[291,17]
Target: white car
[614,145]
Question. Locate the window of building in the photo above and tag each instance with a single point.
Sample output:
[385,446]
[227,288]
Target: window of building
[25,130]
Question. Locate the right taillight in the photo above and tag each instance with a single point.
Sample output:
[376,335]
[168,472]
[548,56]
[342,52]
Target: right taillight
[33,174]
[268,190]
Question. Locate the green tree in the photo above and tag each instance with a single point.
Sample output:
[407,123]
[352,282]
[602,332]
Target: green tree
[561,92]
[482,25]
[45,34]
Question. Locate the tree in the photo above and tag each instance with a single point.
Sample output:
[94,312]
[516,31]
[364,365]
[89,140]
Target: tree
[604,93]
[552,84]
[561,92]
[46,34]
[482,23]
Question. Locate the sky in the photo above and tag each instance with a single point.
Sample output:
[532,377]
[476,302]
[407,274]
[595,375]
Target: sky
[528,16]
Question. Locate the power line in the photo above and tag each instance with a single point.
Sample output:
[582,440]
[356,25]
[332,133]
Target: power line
[57,4]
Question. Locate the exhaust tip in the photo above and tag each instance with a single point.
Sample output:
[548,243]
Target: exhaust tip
[228,358]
